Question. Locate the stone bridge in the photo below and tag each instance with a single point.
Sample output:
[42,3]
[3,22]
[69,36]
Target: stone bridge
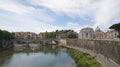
[25,40]
[44,41]
[50,41]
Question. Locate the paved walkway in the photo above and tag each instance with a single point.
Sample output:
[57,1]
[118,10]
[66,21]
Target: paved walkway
[100,58]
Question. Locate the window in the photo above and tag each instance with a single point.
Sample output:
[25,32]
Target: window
[87,35]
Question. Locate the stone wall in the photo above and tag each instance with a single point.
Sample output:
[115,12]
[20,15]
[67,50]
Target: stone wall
[110,49]
[6,44]
[63,42]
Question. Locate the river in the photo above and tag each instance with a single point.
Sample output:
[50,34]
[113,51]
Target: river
[44,56]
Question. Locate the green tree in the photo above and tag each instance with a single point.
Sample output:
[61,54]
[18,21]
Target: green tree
[116,27]
[46,34]
[1,35]
[56,31]
[5,35]
[72,35]
[51,34]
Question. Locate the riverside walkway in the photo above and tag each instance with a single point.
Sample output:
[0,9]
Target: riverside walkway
[100,58]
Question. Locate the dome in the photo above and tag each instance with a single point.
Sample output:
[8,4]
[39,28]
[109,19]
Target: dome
[97,29]
[87,29]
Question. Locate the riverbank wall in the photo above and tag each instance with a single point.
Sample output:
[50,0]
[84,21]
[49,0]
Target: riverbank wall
[109,49]
[6,45]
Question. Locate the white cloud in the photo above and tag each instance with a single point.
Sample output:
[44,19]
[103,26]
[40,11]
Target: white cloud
[14,6]
[107,11]
[102,12]
[37,28]
[13,22]
[15,16]
[74,26]
[21,11]
[69,7]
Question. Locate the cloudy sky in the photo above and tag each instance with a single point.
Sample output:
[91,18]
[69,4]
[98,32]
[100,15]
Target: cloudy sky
[49,15]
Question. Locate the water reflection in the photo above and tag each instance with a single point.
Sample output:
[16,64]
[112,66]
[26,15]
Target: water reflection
[45,56]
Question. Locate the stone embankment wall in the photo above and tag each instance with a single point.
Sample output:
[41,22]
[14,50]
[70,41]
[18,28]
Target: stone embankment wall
[6,44]
[110,49]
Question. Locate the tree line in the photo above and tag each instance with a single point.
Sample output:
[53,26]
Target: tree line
[5,35]
[56,33]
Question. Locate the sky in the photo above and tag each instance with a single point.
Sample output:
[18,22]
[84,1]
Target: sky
[49,15]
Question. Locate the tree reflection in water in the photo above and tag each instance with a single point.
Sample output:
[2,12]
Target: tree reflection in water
[45,56]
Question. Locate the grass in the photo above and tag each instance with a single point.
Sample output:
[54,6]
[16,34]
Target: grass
[83,59]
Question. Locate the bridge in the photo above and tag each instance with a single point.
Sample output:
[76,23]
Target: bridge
[43,41]
[25,40]
[50,41]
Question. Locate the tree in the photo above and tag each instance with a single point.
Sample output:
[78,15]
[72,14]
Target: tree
[72,35]
[116,27]
[51,34]
[5,35]
[46,34]
[56,31]
[1,36]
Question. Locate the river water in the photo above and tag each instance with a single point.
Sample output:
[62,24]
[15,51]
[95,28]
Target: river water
[44,56]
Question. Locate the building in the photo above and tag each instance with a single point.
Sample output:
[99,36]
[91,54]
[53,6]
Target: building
[99,34]
[39,36]
[111,34]
[62,36]
[43,35]
[67,34]
[86,33]
[89,33]
[26,35]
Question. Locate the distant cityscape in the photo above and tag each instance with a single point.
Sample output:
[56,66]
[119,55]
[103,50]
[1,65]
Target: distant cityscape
[98,42]
[59,33]
[85,33]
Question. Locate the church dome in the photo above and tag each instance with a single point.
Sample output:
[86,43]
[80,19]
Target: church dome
[97,29]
